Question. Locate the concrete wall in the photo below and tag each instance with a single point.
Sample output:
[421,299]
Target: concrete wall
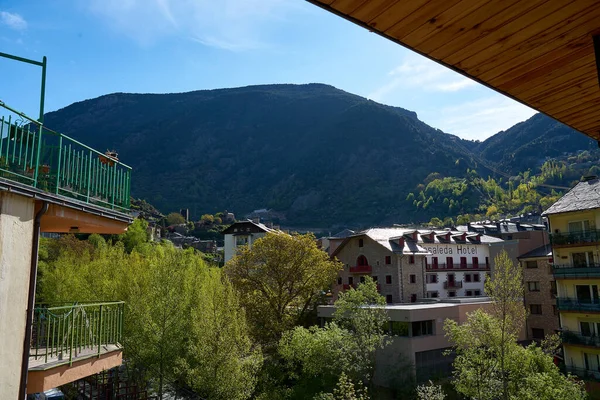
[230,246]
[16,235]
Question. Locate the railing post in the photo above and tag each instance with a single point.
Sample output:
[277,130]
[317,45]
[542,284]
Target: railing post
[60,138]
[73,314]
[89,180]
[100,331]
[37,156]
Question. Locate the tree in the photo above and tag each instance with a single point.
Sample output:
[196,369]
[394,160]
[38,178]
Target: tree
[430,392]
[345,390]
[137,233]
[490,364]
[220,361]
[280,279]
[436,222]
[316,358]
[174,219]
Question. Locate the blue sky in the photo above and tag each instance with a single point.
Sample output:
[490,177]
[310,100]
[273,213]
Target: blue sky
[95,47]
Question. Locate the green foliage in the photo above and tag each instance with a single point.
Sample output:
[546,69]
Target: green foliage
[136,235]
[317,357]
[176,311]
[430,392]
[345,390]
[490,364]
[280,279]
[174,219]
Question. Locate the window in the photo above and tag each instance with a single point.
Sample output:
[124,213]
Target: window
[398,328]
[535,309]
[475,262]
[553,288]
[362,261]
[389,299]
[469,293]
[388,260]
[587,293]
[579,226]
[432,294]
[431,278]
[583,259]
[339,280]
[434,262]
[374,278]
[411,259]
[412,278]
[477,292]
[476,278]
[554,310]
[533,286]
[422,328]
[531,264]
[487,262]
[591,361]
[463,262]
[350,280]
[449,262]
[388,279]
[452,294]
[467,277]
[537,333]
[413,298]
[360,243]
[362,279]
[589,328]
[241,240]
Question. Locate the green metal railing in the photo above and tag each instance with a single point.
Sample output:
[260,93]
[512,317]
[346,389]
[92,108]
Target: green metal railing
[575,238]
[56,163]
[66,332]
[591,270]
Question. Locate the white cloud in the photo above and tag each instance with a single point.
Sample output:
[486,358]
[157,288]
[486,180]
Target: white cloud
[419,72]
[234,25]
[481,118]
[13,21]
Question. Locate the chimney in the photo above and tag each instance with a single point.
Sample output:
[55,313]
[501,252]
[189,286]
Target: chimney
[414,236]
[401,242]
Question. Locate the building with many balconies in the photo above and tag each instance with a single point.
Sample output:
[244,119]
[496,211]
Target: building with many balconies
[51,183]
[575,243]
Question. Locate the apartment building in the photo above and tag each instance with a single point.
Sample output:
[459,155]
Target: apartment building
[51,183]
[410,264]
[575,240]
[540,292]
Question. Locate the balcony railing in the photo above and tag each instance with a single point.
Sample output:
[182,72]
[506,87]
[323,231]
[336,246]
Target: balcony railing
[585,374]
[35,156]
[569,304]
[453,285]
[445,266]
[64,333]
[575,238]
[572,271]
[571,337]
[361,269]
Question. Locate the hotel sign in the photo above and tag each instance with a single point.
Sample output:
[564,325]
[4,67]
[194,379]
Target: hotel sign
[458,249]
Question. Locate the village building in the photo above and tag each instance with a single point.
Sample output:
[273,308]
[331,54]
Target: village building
[242,233]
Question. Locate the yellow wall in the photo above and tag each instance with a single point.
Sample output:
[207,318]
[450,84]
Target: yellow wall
[574,355]
[570,320]
[561,221]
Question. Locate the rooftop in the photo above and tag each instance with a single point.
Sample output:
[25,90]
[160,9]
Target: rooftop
[584,196]
[542,251]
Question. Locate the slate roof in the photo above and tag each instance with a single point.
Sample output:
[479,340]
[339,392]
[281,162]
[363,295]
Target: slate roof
[257,226]
[542,251]
[584,196]
[343,234]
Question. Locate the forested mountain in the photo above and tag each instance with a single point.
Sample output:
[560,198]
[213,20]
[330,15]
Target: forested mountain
[316,154]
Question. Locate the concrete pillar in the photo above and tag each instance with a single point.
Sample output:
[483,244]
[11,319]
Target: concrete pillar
[16,234]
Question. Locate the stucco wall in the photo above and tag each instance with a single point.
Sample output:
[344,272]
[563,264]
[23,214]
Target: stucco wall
[16,235]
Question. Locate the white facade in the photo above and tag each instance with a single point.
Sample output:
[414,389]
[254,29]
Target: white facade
[455,269]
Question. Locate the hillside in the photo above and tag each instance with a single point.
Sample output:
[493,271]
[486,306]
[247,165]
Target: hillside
[316,154]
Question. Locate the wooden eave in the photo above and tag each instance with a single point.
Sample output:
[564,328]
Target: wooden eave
[537,52]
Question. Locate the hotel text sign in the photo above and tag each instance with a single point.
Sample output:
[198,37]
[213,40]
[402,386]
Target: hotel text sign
[459,249]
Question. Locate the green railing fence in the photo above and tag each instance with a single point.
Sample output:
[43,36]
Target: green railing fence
[66,332]
[56,163]
[575,238]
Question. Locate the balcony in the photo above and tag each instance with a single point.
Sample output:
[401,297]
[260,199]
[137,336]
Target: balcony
[37,157]
[361,269]
[572,271]
[457,267]
[453,285]
[585,374]
[576,338]
[579,238]
[70,342]
[569,304]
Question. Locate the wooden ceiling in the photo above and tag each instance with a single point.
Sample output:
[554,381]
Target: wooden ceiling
[538,52]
